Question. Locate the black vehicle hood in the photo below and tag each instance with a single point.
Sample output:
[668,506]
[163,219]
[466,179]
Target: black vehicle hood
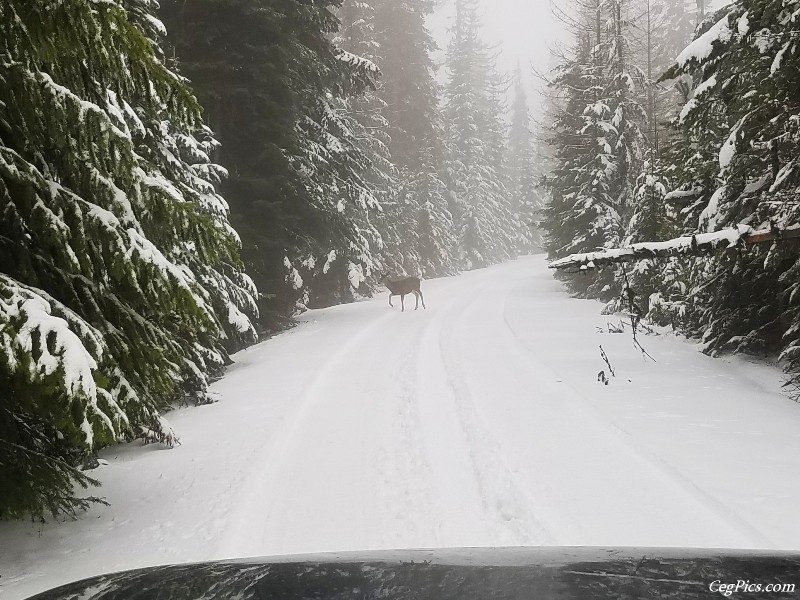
[456,574]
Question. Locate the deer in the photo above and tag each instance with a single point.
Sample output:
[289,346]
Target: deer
[401,287]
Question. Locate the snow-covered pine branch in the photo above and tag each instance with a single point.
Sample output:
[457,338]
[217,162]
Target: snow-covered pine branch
[120,282]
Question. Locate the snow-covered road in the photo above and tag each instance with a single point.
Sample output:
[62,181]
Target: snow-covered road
[476,422]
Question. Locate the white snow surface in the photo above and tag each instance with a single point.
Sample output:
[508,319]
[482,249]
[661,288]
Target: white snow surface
[476,422]
[701,48]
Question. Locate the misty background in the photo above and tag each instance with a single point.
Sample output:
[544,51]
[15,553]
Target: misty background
[523,31]
[235,163]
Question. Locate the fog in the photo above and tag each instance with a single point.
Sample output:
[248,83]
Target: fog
[523,30]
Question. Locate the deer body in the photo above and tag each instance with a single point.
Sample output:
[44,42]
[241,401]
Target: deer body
[402,287]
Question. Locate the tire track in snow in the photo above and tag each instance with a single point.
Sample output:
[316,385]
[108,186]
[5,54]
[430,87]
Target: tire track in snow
[411,464]
[504,501]
[238,539]
[425,509]
[448,473]
[460,516]
[397,472]
[429,510]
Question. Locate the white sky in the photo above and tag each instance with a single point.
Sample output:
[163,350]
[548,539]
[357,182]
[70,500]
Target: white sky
[525,30]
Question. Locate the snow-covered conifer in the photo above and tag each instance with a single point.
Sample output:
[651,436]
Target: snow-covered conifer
[303,167]
[422,239]
[121,290]
[593,187]
[486,229]
[526,203]
[742,120]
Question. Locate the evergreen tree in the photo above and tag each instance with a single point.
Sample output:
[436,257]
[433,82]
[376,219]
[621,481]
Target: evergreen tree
[581,214]
[434,228]
[409,86]
[677,22]
[732,161]
[668,27]
[653,282]
[742,119]
[338,162]
[624,93]
[486,230]
[526,203]
[358,37]
[121,289]
[595,180]
[301,187]
[423,240]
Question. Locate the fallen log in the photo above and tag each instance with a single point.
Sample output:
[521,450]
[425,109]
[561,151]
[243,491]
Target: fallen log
[686,245]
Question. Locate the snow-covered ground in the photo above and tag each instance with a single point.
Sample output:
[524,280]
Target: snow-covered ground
[477,422]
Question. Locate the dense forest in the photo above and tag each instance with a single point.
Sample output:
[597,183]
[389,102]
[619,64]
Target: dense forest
[667,120]
[178,178]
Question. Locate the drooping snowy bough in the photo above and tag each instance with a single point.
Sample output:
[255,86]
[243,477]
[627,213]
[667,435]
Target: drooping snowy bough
[121,288]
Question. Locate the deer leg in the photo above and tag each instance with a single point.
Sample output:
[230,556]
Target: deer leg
[416,297]
[403,302]
[390,300]
[421,297]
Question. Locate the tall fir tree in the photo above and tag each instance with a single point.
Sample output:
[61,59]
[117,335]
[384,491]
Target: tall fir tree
[276,89]
[526,203]
[121,289]
[597,179]
[486,230]
[364,115]
[425,239]
[409,85]
[578,208]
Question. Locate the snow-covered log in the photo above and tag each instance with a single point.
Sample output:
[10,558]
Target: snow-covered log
[691,245]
